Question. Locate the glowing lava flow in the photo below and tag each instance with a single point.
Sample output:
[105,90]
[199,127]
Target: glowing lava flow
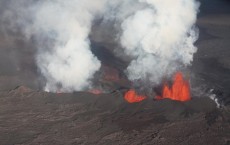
[132,97]
[180,90]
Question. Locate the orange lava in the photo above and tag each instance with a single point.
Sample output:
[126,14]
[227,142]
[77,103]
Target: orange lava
[180,90]
[132,97]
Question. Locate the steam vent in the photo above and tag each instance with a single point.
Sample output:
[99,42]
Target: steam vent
[115,72]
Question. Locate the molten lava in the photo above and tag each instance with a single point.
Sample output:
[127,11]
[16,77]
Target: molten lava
[132,97]
[180,90]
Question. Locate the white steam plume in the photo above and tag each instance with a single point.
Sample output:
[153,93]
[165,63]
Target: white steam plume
[60,30]
[70,62]
[157,34]
[160,36]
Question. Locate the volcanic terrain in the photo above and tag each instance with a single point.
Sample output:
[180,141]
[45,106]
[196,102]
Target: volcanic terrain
[102,116]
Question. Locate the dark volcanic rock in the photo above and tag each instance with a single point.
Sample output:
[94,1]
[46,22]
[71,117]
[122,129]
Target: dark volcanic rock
[43,118]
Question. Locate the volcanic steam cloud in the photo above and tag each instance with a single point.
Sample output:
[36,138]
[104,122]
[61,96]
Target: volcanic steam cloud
[157,35]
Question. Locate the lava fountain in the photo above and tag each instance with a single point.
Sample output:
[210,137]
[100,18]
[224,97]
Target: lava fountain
[180,90]
[132,97]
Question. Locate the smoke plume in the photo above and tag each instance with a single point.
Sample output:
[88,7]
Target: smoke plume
[160,37]
[157,34]
[60,31]
[70,64]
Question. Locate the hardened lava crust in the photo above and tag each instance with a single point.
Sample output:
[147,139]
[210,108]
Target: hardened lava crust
[34,117]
